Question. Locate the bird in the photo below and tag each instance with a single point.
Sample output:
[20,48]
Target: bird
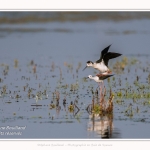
[99,78]
[102,63]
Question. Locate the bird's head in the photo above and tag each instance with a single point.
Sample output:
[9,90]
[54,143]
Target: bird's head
[88,64]
[90,76]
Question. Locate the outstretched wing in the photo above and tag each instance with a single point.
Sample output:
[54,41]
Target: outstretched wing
[103,52]
[110,55]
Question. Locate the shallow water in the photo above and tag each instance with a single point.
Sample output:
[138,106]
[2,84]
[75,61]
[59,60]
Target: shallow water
[59,51]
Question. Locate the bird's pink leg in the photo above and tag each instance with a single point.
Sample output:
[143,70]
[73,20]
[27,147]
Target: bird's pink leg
[100,88]
[103,85]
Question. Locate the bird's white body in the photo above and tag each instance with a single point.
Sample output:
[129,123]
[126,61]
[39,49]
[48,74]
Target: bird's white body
[96,78]
[100,77]
[100,66]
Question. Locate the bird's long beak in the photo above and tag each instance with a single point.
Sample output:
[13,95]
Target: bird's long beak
[84,68]
[86,77]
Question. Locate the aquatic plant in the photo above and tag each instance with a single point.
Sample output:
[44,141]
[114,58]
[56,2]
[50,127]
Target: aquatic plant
[103,107]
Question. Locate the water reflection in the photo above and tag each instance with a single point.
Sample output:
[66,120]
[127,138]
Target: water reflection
[102,126]
[101,114]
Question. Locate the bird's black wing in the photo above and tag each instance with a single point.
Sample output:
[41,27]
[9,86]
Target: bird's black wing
[103,77]
[110,55]
[103,52]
